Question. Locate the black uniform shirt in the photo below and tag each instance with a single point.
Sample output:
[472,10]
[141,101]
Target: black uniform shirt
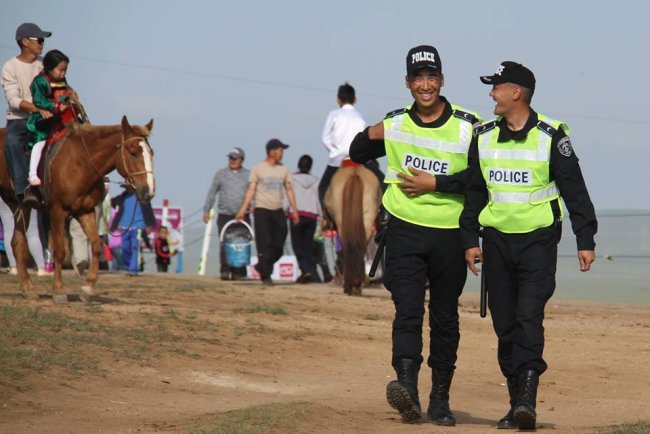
[564,170]
[363,149]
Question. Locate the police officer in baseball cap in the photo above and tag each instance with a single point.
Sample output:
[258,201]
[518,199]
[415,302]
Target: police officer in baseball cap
[423,248]
[521,165]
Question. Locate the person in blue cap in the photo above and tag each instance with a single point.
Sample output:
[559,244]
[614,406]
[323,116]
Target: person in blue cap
[267,183]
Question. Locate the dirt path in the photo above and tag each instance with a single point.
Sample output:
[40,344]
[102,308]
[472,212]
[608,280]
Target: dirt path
[167,353]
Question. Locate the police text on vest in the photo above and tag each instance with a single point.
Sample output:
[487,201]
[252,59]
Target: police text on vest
[431,165]
[509,176]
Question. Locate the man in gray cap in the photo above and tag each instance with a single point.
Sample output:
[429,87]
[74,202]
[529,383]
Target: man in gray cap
[17,75]
[231,183]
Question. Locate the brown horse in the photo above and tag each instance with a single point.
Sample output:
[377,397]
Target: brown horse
[352,200]
[73,184]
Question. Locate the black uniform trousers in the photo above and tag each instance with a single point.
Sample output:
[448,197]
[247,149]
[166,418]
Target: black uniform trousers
[224,268]
[415,254]
[270,234]
[520,278]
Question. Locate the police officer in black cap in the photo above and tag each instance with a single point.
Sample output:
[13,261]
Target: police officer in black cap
[522,165]
[426,146]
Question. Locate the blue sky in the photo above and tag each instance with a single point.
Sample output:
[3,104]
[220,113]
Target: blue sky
[219,74]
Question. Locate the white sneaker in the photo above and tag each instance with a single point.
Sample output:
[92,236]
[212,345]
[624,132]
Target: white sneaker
[13,271]
[43,272]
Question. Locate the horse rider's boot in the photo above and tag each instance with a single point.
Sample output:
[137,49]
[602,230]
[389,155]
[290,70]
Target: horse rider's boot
[524,412]
[30,199]
[439,411]
[402,394]
[508,421]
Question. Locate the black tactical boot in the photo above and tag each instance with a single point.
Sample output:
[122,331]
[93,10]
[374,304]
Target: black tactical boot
[508,421]
[402,394]
[524,412]
[439,411]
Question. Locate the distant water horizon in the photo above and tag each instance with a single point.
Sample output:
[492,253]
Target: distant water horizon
[620,274]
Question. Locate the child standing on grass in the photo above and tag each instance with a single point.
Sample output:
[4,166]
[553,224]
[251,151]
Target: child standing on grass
[162,250]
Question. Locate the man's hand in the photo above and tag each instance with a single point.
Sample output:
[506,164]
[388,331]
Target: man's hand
[420,183]
[586,258]
[45,114]
[206,217]
[295,217]
[240,216]
[471,256]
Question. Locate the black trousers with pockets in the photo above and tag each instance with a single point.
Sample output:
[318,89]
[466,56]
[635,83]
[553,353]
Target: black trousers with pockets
[520,277]
[415,255]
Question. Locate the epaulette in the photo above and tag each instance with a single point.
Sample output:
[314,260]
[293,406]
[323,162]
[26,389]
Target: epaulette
[546,128]
[484,128]
[395,113]
[466,116]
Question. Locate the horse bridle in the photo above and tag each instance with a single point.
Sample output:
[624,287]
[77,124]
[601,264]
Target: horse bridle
[130,175]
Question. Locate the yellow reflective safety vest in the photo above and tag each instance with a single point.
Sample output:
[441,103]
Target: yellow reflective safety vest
[517,175]
[439,151]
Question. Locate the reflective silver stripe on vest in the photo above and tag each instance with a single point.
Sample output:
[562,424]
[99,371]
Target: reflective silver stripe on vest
[537,196]
[391,175]
[396,135]
[541,154]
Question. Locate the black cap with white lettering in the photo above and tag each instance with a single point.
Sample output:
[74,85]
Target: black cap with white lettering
[423,56]
[511,72]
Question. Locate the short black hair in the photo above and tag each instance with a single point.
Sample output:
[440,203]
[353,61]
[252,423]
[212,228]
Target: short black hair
[304,164]
[52,59]
[346,93]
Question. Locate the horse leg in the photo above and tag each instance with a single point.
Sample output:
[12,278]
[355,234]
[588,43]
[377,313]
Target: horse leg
[19,247]
[57,227]
[88,223]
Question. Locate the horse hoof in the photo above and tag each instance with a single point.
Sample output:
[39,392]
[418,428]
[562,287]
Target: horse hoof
[60,299]
[86,293]
[30,295]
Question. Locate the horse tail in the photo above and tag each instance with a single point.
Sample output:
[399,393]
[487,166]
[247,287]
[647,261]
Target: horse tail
[353,236]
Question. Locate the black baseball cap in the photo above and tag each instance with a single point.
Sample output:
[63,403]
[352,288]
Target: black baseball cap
[511,72]
[275,144]
[423,56]
[30,30]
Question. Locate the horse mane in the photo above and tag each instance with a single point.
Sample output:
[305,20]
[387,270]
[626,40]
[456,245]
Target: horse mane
[88,130]
[353,235]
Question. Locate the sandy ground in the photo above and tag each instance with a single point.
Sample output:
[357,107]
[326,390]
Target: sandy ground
[223,349]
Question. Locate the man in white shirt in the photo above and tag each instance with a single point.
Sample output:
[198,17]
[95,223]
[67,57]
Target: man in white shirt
[340,128]
[17,75]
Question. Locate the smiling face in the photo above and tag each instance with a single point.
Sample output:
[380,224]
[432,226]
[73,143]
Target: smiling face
[503,95]
[425,85]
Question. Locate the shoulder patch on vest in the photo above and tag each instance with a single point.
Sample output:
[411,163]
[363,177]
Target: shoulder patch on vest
[484,128]
[395,113]
[546,128]
[466,116]
[564,146]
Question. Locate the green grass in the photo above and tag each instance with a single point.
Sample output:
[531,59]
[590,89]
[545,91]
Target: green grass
[261,419]
[258,308]
[642,427]
[37,340]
